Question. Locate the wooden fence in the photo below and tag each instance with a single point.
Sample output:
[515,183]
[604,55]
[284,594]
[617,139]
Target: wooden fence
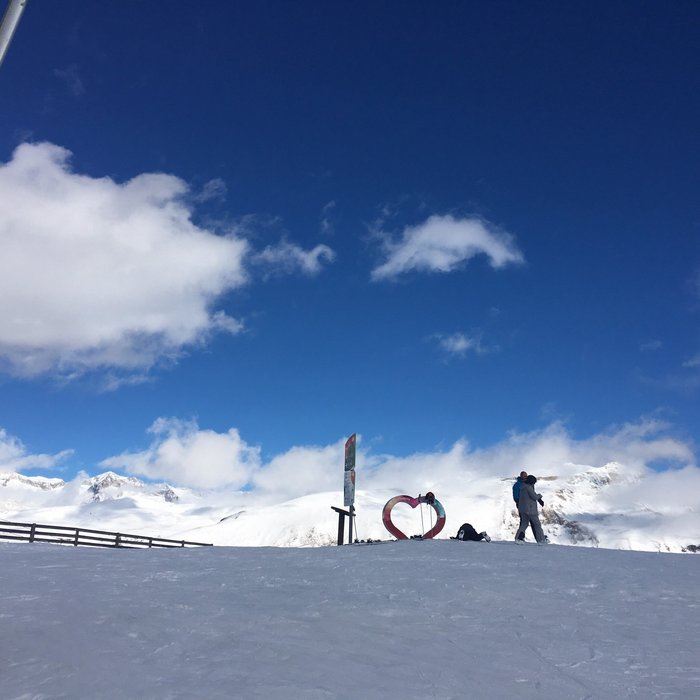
[81,536]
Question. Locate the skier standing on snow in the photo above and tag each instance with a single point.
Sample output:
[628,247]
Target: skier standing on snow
[527,508]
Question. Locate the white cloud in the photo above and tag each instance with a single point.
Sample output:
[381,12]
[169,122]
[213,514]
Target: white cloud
[548,452]
[95,273]
[693,361]
[444,243]
[459,344]
[183,454]
[301,471]
[289,258]
[212,190]
[327,226]
[71,78]
[14,456]
[684,380]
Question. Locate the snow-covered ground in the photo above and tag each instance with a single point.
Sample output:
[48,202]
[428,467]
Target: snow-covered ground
[408,619]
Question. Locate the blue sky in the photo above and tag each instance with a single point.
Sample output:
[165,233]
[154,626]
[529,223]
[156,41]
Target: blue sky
[274,224]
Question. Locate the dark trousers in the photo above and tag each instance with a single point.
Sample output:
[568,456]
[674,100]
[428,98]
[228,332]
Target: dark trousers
[534,522]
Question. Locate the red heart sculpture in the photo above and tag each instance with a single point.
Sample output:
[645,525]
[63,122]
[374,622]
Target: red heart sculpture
[413,502]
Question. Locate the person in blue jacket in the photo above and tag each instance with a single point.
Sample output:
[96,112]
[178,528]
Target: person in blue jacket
[516,496]
[516,486]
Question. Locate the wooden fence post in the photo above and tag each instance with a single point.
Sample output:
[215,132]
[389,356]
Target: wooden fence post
[77,535]
[32,532]
[341,522]
[118,540]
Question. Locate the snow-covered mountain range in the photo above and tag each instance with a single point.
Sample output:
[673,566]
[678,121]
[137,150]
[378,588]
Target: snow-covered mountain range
[609,506]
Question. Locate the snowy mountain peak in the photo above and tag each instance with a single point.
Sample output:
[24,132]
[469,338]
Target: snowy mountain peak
[168,494]
[110,485]
[610,473]
[34,482]
[585,487]
[110,479]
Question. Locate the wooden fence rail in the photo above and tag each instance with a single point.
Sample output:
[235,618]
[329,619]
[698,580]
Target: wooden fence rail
[81,536]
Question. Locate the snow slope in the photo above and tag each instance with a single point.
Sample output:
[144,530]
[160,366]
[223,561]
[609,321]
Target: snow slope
[408,619]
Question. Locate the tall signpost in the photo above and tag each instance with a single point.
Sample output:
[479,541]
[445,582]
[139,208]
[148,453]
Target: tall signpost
[9,23]
[349,490]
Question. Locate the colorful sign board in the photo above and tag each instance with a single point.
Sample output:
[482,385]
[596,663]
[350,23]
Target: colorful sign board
[349,485]
[350,445]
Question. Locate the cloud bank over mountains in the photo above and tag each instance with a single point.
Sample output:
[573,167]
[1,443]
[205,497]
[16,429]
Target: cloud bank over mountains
[185,454]
[14,456]
[97,274]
